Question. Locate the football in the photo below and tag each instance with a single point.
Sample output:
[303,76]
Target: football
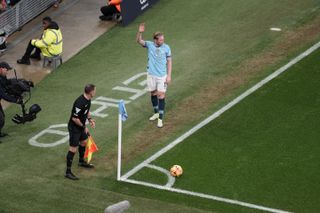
[176,171]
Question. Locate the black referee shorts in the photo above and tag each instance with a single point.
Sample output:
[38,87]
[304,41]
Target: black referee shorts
[76,135]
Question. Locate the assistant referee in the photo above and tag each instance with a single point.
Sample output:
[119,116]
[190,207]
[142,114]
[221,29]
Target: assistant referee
[78,132]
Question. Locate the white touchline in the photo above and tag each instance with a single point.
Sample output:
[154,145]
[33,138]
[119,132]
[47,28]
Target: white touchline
[210,197]
[205,122]
[222,110]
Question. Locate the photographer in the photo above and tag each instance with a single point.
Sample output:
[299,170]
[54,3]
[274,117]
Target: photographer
[4,83]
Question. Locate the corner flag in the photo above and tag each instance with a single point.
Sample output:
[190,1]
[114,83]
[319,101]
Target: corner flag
[123,111]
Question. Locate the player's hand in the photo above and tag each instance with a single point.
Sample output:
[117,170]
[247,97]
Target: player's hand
[92,123]
[141,28]
[168,80]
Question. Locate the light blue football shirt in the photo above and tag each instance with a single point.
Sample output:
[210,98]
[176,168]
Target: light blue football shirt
[157,58]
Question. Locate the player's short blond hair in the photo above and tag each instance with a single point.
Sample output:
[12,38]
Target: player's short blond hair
[156,35]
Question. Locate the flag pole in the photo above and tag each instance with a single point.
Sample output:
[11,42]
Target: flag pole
[119,146]
[122,117]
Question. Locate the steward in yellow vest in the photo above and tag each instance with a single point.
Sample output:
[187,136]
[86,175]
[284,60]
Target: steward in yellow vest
[50,44]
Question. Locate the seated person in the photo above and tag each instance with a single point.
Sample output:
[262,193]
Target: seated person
[49,45]
[110,10]
[3,39]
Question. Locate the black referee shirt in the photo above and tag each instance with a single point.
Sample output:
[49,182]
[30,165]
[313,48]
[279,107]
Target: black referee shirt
[80,110]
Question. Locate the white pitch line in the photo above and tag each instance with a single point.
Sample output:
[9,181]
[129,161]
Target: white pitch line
[171,179]
[211,197]
[222,110]
[275,29]
[205,122]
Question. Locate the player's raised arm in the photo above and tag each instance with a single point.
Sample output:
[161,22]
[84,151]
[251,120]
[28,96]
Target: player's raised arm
[139,35]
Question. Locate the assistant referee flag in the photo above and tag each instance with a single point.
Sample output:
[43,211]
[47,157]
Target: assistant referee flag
[90,149]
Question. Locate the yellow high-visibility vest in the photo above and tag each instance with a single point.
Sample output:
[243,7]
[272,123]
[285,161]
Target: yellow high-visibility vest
[50,43]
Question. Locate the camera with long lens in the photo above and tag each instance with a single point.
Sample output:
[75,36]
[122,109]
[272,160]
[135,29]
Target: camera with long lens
[21,89]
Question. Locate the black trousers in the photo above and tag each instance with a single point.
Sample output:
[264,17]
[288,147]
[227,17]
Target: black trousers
[109,10]
[30,49]
[2,118]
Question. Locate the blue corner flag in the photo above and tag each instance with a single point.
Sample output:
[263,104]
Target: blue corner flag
[123,111]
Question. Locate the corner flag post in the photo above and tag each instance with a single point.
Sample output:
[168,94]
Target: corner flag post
[122,117]
[119,147]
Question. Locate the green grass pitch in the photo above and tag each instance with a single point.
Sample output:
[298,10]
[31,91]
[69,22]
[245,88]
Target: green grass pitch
[263,151]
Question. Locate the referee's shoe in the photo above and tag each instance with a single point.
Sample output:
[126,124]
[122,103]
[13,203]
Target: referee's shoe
[71,176]
[86,165]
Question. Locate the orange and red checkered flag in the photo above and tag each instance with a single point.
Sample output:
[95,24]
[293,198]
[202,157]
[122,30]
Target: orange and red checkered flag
[90,148]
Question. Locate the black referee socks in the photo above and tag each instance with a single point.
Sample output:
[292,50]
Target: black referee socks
[70,156]
[81,149]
